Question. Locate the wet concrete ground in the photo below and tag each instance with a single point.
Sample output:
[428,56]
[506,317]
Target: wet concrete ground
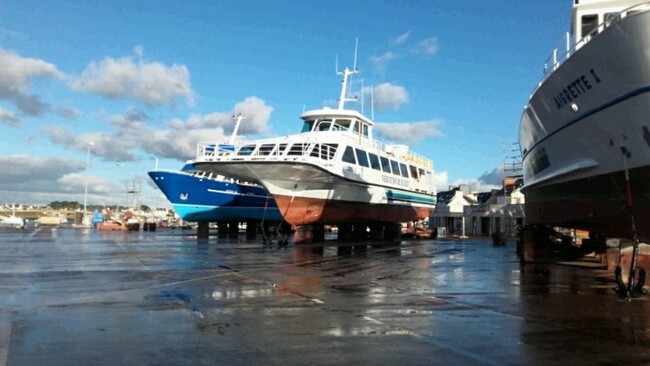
[81,297]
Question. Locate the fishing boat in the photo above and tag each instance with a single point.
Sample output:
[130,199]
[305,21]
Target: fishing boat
[585,132]
[200,196]
[12,221]
[125,222]
[334,171]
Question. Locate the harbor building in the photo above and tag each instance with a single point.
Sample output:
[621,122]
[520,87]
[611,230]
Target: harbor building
[461,212]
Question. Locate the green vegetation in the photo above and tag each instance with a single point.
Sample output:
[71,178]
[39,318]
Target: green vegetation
[62,205]
[74,205]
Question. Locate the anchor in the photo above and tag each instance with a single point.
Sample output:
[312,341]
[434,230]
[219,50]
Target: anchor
[631,289]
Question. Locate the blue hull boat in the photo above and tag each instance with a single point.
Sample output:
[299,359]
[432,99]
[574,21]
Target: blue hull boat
[198,196]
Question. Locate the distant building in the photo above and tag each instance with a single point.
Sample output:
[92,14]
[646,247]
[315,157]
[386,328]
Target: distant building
[449,213]
[463,213]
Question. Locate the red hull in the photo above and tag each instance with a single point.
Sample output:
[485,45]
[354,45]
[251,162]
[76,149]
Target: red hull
[306,211]
[598,204]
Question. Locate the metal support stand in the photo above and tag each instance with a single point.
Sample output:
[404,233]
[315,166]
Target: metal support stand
[281,241]
[632,289]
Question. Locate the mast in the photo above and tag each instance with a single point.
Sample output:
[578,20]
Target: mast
[346,73]
[234,131]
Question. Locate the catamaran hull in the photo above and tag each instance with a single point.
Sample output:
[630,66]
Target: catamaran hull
[584,125]
[309,211]
[202,199]
[309,194]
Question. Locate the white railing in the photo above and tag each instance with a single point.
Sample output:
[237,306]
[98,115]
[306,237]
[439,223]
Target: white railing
[212,151]
[554,61]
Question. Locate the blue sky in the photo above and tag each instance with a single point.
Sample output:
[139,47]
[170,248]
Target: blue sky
[147,80]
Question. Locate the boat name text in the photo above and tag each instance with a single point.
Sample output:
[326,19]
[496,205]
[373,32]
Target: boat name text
[394,180]
[576,88]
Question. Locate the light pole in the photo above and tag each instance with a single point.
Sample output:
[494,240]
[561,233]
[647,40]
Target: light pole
[89,144]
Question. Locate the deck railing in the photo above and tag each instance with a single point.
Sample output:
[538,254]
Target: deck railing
[554,60]
[299,150]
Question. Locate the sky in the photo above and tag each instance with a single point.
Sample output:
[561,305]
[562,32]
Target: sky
[104,91]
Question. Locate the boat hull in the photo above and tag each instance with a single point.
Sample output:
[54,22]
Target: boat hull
[598,204]
[309,194]
[585,125]
[202,199]
[113,226]
[307,211]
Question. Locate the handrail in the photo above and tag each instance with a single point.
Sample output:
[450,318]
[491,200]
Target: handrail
[553,62]
[228,151]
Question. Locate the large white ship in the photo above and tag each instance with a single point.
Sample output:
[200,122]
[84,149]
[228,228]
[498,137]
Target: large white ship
[587,124]
[332,172]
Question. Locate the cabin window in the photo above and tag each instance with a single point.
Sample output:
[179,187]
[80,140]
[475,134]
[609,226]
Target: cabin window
[589,23]
[315,152]
[355,127]
[374,161]
[308,125]
[414,171]
[362,157]
[297,149]
[280,149]
[385,165]
[246,150]
[405,172]
[539,161]
[328,150]
[324,151]
[365,130]
[348,155]
[395,167]
[611,18]
[266,149]
[342,124]
[324,125]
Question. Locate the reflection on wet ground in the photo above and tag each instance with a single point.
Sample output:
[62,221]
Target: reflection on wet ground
[85,297]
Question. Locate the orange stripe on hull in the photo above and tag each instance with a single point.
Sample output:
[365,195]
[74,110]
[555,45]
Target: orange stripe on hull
[305,211]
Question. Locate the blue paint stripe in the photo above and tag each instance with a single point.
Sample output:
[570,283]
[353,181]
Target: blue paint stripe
[410,197]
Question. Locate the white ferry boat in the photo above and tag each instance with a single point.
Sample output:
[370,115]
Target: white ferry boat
[332,172]
[587,124]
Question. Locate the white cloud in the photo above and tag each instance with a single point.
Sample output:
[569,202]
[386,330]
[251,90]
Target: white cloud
[484,183]
[16,73]
[75,183]
[409,132]
[151,83]
[401,39]
[380,63]
[388,96]
[440,179]
[256,115]
[43,180]
[255,111]
[427,46]
[8,117]
[474,185]
[175,140]
[494,177]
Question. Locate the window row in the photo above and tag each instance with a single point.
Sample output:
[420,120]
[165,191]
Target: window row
[369,160]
